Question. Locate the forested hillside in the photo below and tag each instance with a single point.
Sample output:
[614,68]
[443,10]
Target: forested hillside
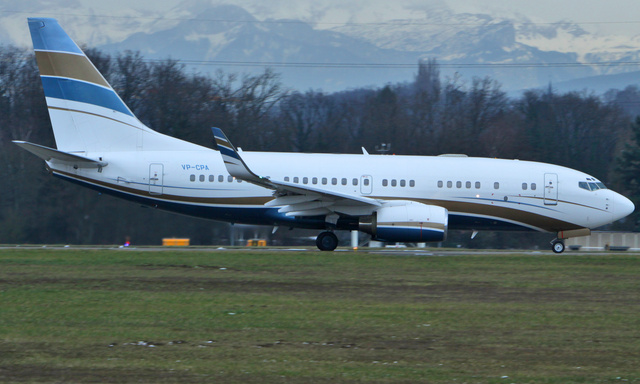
[428,116]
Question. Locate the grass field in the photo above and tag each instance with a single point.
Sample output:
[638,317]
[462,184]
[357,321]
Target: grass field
[120,316]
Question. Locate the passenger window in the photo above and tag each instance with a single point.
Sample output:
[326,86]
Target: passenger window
[468,185]
[403,183]
[533,186]
[344,181]
[314,180]
[412,183]
[305,180]
[365,182]
[458,184]
[449,184]
[477,185]
[524,186]
[324,181]
[334,181]
[220,179]
[394,182]
[211,178]
[354,181]
[440,184]
[385,182]
[201,178]
[230,178]
[496,185]
[192,177]
[286,178]
[296,179]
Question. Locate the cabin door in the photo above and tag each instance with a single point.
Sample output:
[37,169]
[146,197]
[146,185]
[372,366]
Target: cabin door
[156,172]
[550,189]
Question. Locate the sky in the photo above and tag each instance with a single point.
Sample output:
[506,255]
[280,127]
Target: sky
[606,16]
[610,16]
[602,17]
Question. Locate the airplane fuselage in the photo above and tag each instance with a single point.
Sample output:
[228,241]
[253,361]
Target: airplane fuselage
[479,193]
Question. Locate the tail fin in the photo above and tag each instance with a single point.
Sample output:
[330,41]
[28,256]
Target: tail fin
[86,113]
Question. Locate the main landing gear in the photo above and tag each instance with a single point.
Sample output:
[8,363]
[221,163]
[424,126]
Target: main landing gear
[327,241]
[557,246]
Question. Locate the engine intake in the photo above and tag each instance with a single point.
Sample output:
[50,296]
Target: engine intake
[407,222]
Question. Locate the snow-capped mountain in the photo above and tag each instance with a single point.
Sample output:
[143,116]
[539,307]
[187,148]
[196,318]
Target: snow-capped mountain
[525,53]
[353,50]
[305,56]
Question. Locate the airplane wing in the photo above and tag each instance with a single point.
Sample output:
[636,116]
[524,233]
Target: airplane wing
[294,199]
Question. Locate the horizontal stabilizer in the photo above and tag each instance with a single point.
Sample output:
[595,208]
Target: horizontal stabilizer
[50,154]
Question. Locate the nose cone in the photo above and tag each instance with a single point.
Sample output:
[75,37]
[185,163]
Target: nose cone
[623,207]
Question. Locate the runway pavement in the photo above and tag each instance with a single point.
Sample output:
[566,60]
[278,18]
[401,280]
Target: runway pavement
[416,252]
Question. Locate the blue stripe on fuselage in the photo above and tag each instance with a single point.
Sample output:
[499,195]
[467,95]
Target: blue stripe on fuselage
[243,215]
[409,234]
[464,222]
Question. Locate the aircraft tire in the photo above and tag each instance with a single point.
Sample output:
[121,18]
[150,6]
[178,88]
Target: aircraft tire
[557,246]
[327,241]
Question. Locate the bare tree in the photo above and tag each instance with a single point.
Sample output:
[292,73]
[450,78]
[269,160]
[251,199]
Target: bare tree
[425,108]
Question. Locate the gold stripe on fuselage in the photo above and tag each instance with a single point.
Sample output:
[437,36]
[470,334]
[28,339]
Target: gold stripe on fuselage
[516,215]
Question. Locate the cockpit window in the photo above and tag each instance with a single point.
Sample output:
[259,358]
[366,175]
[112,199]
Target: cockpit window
[591,185]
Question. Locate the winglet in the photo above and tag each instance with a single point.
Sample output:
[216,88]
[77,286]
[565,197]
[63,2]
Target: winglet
[234,163]
[307,199]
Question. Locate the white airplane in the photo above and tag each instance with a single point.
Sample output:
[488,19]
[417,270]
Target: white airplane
[102,145]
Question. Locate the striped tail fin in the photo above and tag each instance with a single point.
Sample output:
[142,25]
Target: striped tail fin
[86,113]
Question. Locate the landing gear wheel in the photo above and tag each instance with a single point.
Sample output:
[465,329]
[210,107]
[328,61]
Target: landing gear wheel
[557,246]
[327,241]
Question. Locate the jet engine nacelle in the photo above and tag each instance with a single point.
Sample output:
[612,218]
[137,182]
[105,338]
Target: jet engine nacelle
[407,222]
